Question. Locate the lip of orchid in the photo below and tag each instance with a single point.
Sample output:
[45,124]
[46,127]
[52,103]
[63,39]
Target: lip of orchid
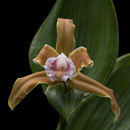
[59,68]
[61,62]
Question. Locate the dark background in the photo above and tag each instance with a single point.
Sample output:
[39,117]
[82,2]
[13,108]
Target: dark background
[18,25]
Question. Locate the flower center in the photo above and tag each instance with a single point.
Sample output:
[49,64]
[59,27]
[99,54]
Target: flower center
[61,63]
[59,68]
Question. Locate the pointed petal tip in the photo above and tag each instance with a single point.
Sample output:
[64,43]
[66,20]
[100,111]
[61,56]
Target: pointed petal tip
[117,114]
[90,64]
[115,107]
[10,105]
[36,61]
[116,118]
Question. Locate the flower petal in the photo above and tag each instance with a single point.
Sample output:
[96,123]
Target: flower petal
[65,36]
[24,85]
[80,58]
[86,84]
[46,52]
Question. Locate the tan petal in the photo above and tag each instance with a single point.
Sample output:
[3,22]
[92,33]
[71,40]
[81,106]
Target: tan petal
[86,84]
[80,58]
[46,52]
[24,85]
[65,36]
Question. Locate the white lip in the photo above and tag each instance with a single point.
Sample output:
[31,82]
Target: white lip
[61,64]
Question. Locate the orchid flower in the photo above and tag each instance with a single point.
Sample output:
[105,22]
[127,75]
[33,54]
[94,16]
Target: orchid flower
[62,65]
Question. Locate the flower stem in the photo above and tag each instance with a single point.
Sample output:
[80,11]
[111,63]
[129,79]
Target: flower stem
[62,124]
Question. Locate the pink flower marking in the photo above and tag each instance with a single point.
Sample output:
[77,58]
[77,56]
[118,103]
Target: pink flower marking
[59,68]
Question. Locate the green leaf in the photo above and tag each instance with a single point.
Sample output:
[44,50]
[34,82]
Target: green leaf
[95,112]
[62,124]
[63,100]
[57,97]
[96,29]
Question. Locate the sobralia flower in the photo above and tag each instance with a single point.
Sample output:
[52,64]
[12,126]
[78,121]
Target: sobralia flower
[62,65]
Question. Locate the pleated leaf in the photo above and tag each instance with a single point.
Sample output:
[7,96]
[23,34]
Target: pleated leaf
[95,113]
[95,28]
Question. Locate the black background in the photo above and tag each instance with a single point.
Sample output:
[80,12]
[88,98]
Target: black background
[18,24]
